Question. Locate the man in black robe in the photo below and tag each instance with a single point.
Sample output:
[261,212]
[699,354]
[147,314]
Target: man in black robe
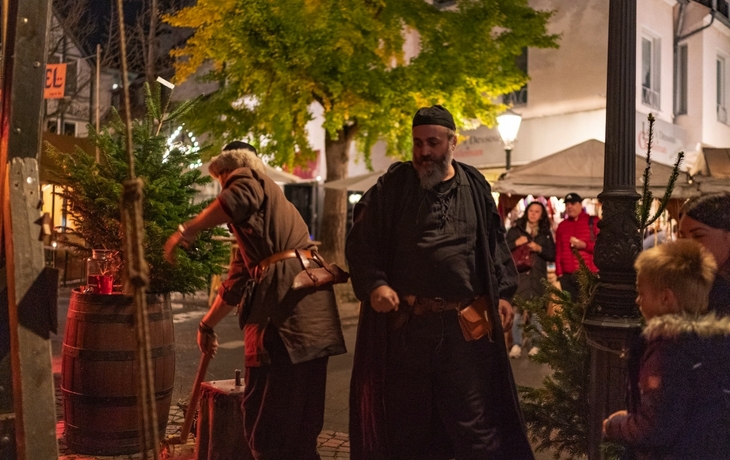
[426,243]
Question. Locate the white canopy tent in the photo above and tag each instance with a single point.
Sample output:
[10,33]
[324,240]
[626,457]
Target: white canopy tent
[359,183]
[579,169]
[280,177]
[712,170]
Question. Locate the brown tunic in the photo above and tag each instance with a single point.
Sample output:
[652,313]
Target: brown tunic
[264,222]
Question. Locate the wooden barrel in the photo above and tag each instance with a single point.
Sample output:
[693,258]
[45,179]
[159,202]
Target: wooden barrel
[99,371]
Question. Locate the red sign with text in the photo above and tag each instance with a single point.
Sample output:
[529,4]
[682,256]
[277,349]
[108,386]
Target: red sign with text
[55,81]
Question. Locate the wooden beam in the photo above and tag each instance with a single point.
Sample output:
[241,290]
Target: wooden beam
[30,289]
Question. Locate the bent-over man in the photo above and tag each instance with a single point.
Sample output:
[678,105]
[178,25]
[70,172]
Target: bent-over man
[428,257]
[289,331]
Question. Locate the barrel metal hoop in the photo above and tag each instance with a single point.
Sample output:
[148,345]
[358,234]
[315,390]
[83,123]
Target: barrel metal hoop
[106,318]
[84,432]
[85,354]
[110,401]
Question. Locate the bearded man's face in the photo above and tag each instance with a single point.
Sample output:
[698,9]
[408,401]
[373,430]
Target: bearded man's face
[433,151]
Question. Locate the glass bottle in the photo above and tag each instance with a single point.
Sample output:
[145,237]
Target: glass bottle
[100,271]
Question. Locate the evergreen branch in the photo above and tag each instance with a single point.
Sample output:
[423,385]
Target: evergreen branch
[646,194]
[668,191]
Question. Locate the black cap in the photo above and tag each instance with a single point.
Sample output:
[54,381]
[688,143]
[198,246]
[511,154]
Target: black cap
[572,198]
[240,145]
[434,115]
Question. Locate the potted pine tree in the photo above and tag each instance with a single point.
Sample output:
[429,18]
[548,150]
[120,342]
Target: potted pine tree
[98,372]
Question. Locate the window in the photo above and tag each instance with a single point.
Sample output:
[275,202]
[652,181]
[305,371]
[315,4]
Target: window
[518,97]
[52,126]
[721,90]
[650,75]
[69,129]
[71,78]
[680,84]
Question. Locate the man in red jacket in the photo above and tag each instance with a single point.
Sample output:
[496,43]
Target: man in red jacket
[578,231]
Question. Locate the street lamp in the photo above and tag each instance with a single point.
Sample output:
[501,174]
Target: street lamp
[508,125]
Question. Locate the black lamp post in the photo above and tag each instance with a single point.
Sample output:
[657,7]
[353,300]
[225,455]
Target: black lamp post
[612,318]
[508,125]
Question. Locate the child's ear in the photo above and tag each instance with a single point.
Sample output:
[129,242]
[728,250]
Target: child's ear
[669,300]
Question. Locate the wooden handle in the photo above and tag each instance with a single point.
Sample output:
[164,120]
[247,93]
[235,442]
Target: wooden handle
[194,397]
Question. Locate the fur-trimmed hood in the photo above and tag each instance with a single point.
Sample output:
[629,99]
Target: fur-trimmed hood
[673,326]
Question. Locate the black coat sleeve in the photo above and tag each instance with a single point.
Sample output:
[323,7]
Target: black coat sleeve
[512,234]
[546,241]
[368,244]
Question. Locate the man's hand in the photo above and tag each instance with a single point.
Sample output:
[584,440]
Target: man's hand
[208,342]
[177,238]
[576,243]
[170,246]
[506,314]
[384,299]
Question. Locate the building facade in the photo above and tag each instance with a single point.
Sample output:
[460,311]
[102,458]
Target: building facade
[683,54]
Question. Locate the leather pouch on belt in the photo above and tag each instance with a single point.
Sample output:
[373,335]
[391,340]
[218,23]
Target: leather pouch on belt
[317,277]
[474,320]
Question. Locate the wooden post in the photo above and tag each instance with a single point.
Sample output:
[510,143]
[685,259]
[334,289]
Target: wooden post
[30,313]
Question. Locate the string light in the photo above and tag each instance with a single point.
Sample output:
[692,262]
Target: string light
[184,147]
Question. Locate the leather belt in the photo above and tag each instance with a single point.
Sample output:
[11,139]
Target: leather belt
[288,254]
[423,305]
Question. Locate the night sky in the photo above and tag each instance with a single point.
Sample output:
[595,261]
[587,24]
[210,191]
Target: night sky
[100,12]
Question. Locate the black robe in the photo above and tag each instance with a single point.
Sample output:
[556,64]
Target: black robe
[368,440]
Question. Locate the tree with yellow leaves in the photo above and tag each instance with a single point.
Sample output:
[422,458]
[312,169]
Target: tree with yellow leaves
[276,59]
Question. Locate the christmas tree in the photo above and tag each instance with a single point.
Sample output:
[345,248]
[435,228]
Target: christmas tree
[93,191]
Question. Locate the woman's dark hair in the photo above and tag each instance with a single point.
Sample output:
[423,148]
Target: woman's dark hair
[543,223]
[712,210]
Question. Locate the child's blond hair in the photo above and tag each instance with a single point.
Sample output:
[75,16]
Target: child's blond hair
[684,267]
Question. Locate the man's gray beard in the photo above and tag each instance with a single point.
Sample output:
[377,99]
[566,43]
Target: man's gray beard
[433,173]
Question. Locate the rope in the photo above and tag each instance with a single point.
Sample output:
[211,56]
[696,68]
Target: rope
[137,272]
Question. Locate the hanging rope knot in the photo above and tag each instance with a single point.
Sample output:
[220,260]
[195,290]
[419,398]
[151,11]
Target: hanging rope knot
[132,191]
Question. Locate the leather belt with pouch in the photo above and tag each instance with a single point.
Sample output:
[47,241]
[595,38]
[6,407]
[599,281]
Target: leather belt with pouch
[473,314]
[475,320]
[311,275]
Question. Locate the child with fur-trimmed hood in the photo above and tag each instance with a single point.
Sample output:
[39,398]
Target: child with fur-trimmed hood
[679,378]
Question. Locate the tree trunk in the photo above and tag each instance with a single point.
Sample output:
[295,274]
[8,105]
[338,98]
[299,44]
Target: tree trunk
[334,214]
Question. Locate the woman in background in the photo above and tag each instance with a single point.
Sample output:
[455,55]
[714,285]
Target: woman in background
[532,229]
[706,219]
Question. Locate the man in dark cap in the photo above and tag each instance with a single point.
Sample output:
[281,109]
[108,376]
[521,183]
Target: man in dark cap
[427,252]
[578,231]
[289,331]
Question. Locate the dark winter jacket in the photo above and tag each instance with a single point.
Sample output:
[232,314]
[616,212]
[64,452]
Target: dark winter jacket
[679,404]
[530,283]
[264,223]
[720,294]
[565,261]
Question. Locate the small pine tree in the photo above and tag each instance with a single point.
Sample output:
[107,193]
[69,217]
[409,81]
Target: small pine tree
[557,414]
[93,191]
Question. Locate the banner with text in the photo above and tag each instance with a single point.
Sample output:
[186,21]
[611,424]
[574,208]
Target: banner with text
[55,81]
